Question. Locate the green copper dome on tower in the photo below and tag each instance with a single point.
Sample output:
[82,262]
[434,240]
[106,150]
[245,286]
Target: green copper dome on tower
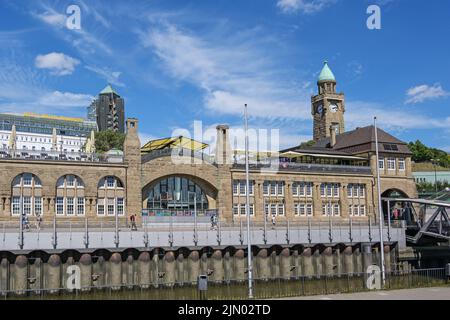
[108,90]
[326,74]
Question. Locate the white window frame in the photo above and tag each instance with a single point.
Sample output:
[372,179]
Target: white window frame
[309,209]
[309,189]
[38,206]
[266,188]
[401,164]
[27,205]
[391,164]
[336,210]
[381,163]
[242,188]
[27,177]
[242,209]
[235,209]
[107,184]
[362,211]
[70,206]
[110,203]
[59,205]
[120,206]
[80,204]
[101,204]
[235,187]
[280,209]
[350,190]
[15,206]
[295,188]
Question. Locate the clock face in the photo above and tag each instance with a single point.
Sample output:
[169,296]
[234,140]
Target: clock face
[334,107]
[320,108]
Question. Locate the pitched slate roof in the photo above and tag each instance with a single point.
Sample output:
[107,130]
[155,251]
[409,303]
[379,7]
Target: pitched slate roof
[358,141]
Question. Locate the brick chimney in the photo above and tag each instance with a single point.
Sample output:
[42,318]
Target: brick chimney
[332,136]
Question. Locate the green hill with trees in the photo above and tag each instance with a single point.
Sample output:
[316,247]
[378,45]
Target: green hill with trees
[422,153]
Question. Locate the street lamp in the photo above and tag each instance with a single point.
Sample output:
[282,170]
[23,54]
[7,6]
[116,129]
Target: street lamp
[247,209]
[380,208]
[434,162]
[195,214]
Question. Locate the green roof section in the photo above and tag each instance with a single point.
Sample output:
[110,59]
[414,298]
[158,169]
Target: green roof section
[326,73]
[108,90]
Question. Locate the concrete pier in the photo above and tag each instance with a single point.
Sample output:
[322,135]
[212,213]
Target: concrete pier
[85,271]
[115,264]
[144,270]
[53,274]
[20,275]
[182,266]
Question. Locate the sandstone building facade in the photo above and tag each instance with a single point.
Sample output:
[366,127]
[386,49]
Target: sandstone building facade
[334,176]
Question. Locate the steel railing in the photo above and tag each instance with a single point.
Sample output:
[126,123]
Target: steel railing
[237,289]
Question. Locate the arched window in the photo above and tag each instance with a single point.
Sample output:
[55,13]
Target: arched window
[70,196]
[26,197]
[177,193]
[110,197]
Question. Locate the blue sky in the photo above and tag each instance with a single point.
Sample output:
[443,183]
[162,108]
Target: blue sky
[179,61]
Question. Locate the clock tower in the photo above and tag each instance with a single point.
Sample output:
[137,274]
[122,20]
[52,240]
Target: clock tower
[327,107]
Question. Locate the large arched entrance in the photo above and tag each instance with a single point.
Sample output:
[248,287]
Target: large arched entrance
[179,195]
[396,209]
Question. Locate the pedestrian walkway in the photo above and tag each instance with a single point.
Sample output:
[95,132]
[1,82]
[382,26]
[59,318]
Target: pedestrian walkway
[437,293]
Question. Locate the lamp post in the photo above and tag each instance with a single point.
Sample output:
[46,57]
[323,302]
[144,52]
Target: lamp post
[247,209]
[380,208]
[434,161]
[195,214]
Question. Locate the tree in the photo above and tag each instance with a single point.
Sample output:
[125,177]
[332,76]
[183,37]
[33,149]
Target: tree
[422,153]
[107,140]
[307,144]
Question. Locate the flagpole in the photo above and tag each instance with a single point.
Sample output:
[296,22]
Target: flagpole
[247,209]
[380,208]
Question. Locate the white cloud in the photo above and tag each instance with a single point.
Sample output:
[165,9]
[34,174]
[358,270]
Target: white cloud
[110,76]
[65,99]
[304,6]
[52,18]
[360,114]
[230,75]
[424,92]
[58,63]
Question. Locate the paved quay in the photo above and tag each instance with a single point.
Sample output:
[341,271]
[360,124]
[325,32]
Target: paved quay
[438,293]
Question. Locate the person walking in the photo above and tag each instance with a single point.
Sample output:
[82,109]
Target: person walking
[133,222]
[273,221]
[38,222]
[26,223]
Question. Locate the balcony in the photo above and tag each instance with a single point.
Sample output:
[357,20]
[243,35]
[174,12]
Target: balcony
[36,155]
[305,167]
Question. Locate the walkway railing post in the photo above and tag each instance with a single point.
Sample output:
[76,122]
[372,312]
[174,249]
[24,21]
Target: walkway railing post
[309,230]
[350,229]
[54,239]
[86,234]
[389,220]
[287,232]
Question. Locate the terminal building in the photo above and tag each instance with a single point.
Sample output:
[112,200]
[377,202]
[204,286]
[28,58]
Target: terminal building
[42,133]
[335,176]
